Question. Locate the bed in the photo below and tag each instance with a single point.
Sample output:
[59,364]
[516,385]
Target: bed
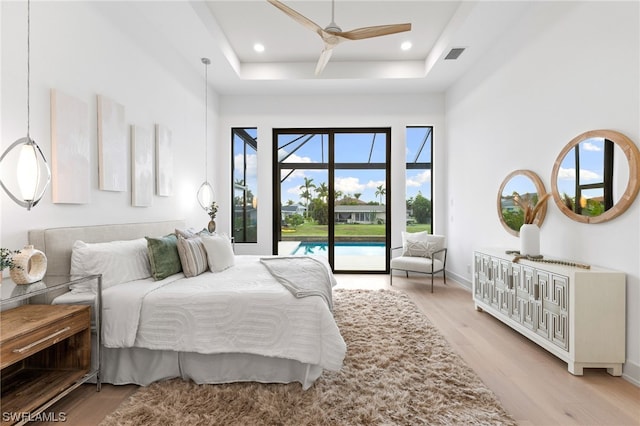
[250,320]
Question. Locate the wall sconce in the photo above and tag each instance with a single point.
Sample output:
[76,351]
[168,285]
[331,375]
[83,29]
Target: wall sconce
[205,192]
[31,172]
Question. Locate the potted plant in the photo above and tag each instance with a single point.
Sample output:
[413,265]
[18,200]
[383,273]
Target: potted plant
[212,211]
[6,260]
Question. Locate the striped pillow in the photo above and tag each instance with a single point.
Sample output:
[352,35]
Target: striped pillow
[193,256]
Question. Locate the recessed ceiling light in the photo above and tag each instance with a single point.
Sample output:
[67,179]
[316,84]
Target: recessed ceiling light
[258,47]
[406,45]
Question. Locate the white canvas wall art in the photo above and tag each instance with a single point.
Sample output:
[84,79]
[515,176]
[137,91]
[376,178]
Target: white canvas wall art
[70,154]
[112,145]
[164,161]
[141,167]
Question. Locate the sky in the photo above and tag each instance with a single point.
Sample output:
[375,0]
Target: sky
[354,148]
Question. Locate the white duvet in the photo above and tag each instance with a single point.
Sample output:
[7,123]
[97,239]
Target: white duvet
[242,309]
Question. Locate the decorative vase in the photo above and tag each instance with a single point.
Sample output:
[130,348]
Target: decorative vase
[211,227]
[32,266]
[529,240]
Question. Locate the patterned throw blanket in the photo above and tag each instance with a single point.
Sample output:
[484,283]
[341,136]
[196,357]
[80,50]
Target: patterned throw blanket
[303,276]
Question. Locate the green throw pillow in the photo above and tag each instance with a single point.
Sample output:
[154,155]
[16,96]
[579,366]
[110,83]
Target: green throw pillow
[163,256]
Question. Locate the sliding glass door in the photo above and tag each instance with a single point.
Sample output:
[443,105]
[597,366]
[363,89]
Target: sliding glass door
[332,196]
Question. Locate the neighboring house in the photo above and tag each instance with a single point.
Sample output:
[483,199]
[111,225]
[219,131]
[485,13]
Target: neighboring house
[364,213]
[286,211]
[507,203]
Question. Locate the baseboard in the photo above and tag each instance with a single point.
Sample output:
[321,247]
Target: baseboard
[460,280]
[631,373]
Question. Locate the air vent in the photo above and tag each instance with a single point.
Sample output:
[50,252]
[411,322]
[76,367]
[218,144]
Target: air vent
[454,53]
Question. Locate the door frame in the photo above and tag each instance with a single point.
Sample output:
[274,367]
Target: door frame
[330,166]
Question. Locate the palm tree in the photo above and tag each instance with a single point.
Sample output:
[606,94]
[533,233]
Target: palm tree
[381,191]
[306,192]
[323,191]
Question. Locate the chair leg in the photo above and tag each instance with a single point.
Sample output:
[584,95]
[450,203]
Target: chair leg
[391,277]
[407,272]
[444,276]
[432,282]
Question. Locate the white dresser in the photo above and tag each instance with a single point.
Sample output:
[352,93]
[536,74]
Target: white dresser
[576,314]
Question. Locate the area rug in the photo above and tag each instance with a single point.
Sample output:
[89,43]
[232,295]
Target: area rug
[399,370]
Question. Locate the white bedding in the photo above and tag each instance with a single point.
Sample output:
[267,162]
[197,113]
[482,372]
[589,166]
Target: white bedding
[225,312]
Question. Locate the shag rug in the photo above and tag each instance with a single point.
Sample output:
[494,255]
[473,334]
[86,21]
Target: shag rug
[399,370]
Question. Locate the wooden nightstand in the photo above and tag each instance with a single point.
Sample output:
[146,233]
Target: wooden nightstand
[45,352]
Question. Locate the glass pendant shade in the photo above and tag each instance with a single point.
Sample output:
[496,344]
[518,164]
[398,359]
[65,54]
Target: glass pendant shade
[25,172]
[205,195]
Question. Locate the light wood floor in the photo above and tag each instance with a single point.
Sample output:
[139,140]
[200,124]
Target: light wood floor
[533,385]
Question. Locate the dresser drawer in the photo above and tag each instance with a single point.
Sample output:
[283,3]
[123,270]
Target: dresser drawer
[28,329]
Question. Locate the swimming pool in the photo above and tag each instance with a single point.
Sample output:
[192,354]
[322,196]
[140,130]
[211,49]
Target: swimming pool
[342,249]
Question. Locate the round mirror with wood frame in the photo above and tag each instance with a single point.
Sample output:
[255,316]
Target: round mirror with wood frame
[526,184]
[595,177]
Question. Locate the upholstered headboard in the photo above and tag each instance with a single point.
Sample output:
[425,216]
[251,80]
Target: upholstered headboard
[56,243]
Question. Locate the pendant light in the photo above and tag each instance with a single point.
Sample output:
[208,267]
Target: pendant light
[31,172]
[205,192]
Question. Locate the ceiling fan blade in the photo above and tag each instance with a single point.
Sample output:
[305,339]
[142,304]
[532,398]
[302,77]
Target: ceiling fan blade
[297,16]
[324,59]
[377,31]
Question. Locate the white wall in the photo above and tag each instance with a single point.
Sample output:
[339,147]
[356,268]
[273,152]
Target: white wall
[268,112]
[76,48]
[566,68]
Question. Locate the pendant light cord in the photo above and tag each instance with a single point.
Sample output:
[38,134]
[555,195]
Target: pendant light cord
[206,121]
[28,65]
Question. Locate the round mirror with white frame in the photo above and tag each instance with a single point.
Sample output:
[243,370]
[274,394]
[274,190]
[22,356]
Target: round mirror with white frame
[528,186]
[596,176]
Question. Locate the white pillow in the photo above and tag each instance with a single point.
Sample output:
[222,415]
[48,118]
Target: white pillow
[219,252]
[117,261]
[419,248]
[411,239]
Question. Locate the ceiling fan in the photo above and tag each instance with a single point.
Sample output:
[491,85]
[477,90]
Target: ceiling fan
[332,35]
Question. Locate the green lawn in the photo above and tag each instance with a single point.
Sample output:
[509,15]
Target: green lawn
[347,230]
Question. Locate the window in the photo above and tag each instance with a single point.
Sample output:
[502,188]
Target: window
[419,188]
[245,184]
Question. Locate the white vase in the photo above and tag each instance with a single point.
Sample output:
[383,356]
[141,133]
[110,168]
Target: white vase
[529,240]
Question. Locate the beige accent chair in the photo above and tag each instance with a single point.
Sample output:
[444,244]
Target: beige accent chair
[423,253]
